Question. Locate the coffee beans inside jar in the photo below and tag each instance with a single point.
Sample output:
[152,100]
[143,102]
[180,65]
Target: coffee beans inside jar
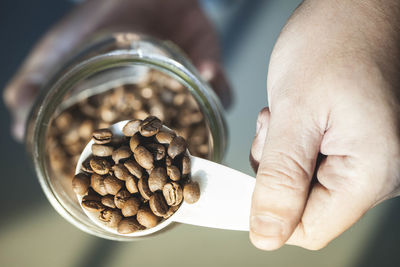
[134,185]
[156,94]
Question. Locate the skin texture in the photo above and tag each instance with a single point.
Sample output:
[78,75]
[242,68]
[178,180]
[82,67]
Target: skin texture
[181,21]
[333,88]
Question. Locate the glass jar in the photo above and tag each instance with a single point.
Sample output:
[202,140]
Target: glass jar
[117,77]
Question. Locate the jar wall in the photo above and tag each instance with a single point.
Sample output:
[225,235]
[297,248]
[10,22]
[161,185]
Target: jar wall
[67,113]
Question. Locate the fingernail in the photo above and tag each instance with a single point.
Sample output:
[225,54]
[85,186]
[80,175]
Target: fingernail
[265,243]
[266,226]
[258,126]
[257,146]
[18,131]
[261,119]
[261,132]
[207,71]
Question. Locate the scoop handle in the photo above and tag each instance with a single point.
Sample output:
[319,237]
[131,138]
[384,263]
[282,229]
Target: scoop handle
[225,197]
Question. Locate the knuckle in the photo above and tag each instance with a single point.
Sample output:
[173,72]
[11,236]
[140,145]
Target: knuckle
[278,180]
[308,237]
[9,96]
[285,173]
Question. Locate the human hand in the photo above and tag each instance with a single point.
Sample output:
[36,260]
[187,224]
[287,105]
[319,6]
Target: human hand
[333,88]
[181,21]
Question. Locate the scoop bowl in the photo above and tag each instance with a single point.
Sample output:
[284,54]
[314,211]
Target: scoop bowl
[225,196]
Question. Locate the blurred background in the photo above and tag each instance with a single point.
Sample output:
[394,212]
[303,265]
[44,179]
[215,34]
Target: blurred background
[33,234]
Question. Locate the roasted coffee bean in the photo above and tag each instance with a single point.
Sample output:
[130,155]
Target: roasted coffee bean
[86,165]
[102,136]
[150,126]
[157,150]
[183,132]
[131,207]
[173,173]
[131,185]
[171,211]
[146,217]
[179,99]
[111,217]
[134,141]
[198,136]
[108,201]
[129,225]
[121,172]
[187,117]
[158,205]
[168,161]
[121,197]
[92,195]
[157,109]
[102,150]
[147,92]
[134,168]
[100,165]
[71,137]
[103,125]
[87,109]
[63,121]
[144,157]
[117,141]
[108,113]
[164,137]
[81,183]
[186,165]
[177,146]
[140,114]
[58,156]
[203,149]
[97,183]
[131,127]
[157,179]
[144,189]
[121,153]
[191,192]
[173,194]
[93,205]
[74,148]
[86,129]
[112,184]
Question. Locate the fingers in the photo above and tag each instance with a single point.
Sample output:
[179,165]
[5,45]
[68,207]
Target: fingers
[259,139]
[285,171]
[51,49]
[19,97]
[335,203]
[212,72]
[192,31]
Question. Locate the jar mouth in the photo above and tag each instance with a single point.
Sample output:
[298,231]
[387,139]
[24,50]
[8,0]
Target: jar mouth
[51,98]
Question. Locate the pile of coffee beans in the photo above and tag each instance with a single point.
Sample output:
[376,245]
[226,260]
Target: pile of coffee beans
[157,94]
[135,181]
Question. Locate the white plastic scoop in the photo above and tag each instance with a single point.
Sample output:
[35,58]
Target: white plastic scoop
[225,196]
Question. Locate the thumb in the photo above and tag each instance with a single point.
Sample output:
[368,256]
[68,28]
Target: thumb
[283,179]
